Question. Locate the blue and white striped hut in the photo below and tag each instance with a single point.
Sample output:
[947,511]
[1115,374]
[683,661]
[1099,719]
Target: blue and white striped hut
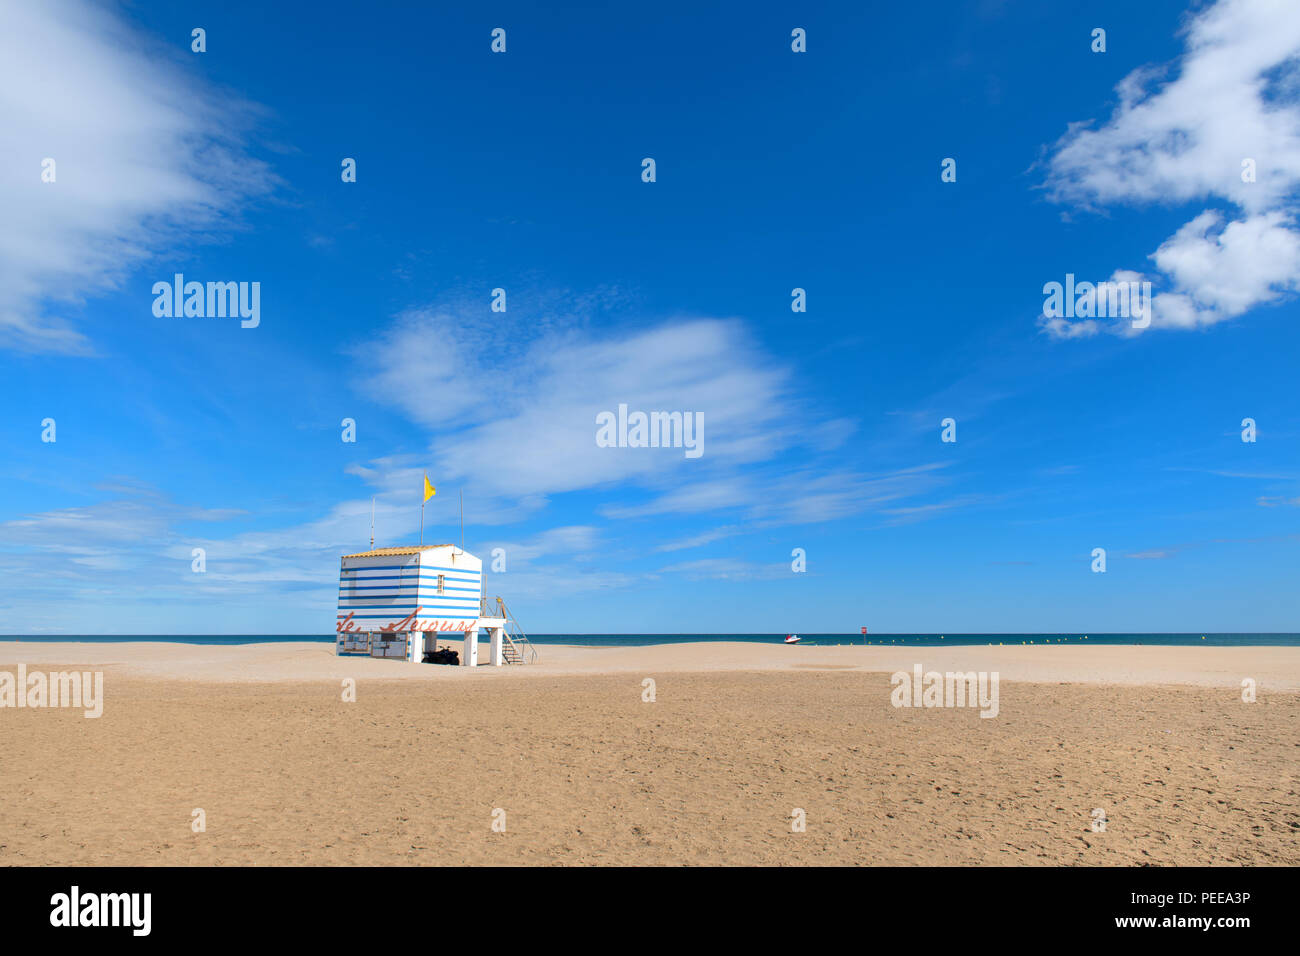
[400,602]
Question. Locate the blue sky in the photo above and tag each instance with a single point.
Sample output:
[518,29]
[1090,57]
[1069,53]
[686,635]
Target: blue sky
[775,170]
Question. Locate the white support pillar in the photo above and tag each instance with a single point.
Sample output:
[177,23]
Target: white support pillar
[498,640]
[470,656]
[415,646]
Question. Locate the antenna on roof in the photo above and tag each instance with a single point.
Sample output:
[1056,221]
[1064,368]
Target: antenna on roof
[372,524]
[462,520]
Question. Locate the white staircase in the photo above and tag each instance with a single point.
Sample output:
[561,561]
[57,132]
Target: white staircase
[516,648]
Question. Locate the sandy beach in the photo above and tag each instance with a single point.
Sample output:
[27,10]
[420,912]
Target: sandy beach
[574,766]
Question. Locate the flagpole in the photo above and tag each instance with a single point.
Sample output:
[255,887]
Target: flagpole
[462,520]
[429,492]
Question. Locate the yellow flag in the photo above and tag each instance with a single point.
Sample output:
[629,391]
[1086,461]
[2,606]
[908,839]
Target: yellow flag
[429,490]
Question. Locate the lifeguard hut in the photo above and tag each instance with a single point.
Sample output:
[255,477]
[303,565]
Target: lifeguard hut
[401,602]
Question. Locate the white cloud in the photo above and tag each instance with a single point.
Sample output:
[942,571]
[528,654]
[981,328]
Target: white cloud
[521,437]
[564,542]
[554,563]
[1059,328]
[1234,95]
[148,517]
[1219,273]
[144,154]
[526,426]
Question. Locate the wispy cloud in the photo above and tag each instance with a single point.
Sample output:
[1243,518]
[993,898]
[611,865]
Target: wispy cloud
[795,496]
[566,542]
[553,563]
[537,424]
[531,434]
[144,155]
[701,539]
[908,514]
[728,569]
[1169,551]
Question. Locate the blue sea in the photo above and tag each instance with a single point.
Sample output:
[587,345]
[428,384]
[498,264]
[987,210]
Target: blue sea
[643,640]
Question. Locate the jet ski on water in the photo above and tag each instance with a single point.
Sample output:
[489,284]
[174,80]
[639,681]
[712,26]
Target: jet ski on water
[792,638]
